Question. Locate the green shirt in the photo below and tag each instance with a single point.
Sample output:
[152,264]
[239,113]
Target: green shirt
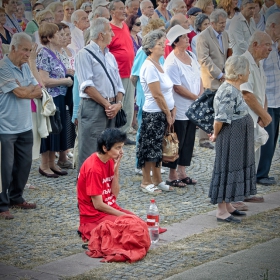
[31,27]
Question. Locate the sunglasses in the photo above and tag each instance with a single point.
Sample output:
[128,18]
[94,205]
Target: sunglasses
[39,10]
[88,12]
[137,23]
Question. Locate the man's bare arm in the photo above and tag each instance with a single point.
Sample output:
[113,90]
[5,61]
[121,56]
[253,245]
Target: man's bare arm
[28,92]
[255,106]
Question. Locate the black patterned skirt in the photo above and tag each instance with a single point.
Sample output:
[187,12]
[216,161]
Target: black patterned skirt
[149,148]
[234,173]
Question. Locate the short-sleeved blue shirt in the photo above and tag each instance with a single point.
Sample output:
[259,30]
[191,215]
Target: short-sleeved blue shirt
[15,113]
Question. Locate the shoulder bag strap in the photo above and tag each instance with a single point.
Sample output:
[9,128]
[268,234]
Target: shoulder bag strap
[100,62]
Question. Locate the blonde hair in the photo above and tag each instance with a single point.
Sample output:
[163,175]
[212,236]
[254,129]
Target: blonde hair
[41,15]
[153,25]
[202,4]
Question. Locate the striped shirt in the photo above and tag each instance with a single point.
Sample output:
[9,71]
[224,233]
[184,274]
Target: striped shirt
[271,66]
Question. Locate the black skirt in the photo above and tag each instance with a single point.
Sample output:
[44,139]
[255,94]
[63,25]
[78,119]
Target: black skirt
[57,142]
[149,148]
[234,174]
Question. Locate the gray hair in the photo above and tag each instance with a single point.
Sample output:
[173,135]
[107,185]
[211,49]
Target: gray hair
[129,2]
[236,65]
[142,4]
[173,4]
[18,38]
[98,26]
[98,12]
[257,37]
[273,18]
[216,14]
[200,18]
[111,6]
[75,16]
[150,40]
[84,5]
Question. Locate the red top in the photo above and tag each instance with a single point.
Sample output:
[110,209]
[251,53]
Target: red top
[95,178]
[190,36]
[122,49]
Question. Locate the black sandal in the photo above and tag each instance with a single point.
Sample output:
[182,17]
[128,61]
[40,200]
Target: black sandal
[188,181]
[176,183]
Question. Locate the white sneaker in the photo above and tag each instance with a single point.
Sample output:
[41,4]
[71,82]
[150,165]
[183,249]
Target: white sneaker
[70,155]
[138,171]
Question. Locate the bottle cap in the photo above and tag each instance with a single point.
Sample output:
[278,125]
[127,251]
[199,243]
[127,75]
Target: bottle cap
[153,200]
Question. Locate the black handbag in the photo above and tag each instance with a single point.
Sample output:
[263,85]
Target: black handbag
[55,121]
[201,112]
[121,119]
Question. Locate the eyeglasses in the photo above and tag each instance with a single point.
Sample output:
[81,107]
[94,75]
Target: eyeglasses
[88,11]
[48,19]
[137,23]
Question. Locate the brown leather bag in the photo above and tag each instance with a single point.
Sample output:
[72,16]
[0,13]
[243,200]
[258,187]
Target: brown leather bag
[170,146]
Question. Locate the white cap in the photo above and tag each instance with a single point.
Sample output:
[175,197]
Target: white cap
[175,32]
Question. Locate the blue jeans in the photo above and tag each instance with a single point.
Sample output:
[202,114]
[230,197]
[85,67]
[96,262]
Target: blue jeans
[267,150]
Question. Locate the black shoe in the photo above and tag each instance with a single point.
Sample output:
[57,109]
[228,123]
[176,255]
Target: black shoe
[129,142]
[206,145]
[61,173]
[266,181]
[238,213]
[229,219]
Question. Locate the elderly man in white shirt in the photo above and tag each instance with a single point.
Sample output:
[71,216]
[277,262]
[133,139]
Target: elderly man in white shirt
[147,10]
[242,27]
[80,19]
[99,104]
[254,90]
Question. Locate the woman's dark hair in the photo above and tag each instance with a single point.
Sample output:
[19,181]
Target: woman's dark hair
[35,5]
[130,21]
[176,41]
[61,26]
[108,138]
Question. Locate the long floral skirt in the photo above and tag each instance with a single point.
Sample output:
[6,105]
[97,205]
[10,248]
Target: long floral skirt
[149,148]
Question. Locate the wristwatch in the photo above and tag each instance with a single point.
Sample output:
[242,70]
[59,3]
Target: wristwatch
[120,102]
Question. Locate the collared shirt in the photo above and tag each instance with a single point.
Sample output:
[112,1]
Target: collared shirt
[77,39]
[91,74]
[273,9]
[15,113]
[256,83]
[219,38]
[12,23]
[239,33]
[144,20]
[271,66]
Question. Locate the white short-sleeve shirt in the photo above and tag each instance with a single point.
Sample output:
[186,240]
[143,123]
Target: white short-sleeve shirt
[184,75]
[150,74]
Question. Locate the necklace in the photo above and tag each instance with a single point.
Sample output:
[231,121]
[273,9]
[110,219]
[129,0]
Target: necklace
[154,62]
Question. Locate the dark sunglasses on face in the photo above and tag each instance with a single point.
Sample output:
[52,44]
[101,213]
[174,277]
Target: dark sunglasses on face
[88,12]
[39,10]
[137,23]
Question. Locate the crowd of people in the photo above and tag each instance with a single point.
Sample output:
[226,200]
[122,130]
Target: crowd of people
[95,58]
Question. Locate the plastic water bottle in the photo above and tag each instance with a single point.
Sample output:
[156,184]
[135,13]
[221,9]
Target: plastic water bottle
[153,222]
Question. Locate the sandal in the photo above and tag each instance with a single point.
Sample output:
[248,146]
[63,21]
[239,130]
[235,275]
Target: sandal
[151,189]
[188,181]
[164,187]
[176,183]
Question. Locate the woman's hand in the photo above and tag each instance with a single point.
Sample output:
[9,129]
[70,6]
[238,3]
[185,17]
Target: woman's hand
[173,114]
[212,137]
[69,82]
[34,52]
[118,160]
[169,119]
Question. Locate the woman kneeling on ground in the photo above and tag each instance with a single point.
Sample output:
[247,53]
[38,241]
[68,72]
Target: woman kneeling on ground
[98,183]
[234,176]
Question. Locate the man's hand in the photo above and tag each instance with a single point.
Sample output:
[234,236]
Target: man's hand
[112,110]
[69,82]
[265,120]
[222,78]
[76,122]
[117,161]
[37,92]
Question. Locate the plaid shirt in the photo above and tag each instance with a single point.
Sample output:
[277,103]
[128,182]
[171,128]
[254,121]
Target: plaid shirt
[271,66]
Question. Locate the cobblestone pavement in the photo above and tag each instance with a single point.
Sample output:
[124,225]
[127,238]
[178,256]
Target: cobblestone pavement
[48,233]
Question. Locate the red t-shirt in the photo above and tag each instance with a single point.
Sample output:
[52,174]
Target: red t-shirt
[121,47]
[95,178]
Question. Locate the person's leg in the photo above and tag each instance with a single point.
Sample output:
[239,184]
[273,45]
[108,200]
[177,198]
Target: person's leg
[139,121]
[92,120]
[222,211]
[128,103]
[147,180]
[21,167]
[75,150]
[44,166]
[7,162]
[267,150]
